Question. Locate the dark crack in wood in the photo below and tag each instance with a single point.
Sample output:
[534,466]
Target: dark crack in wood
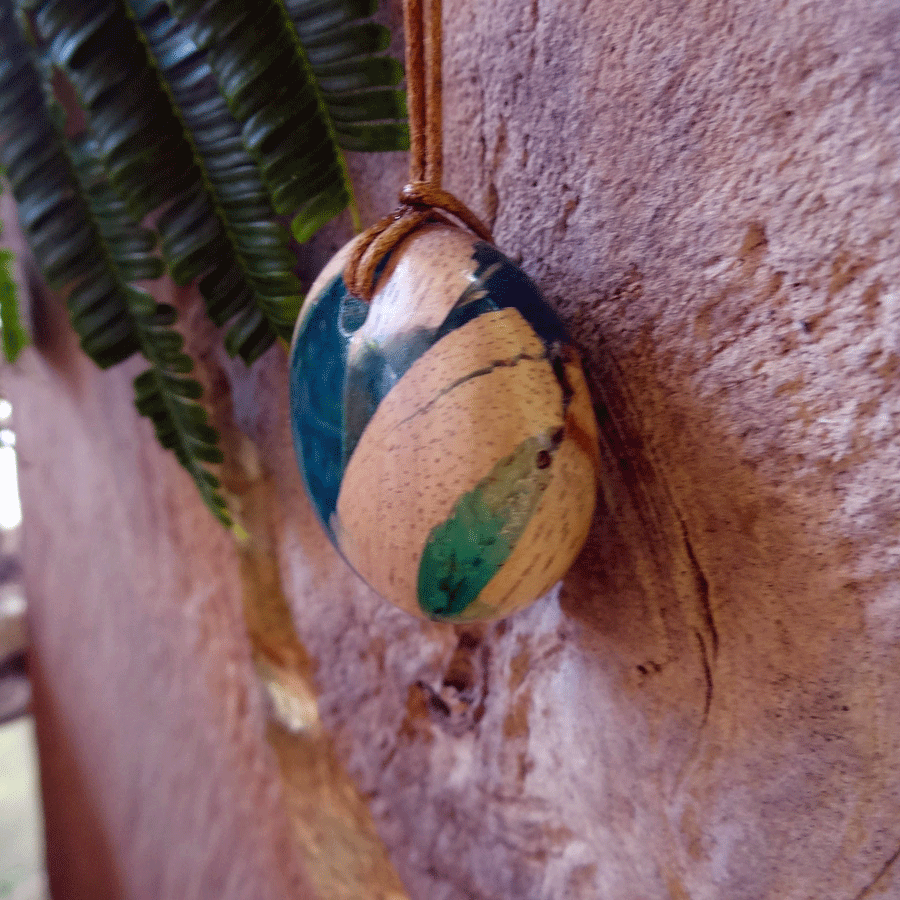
[879,876]
[702,586]
[707,671]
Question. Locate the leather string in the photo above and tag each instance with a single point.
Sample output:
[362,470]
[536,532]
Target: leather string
[423,196]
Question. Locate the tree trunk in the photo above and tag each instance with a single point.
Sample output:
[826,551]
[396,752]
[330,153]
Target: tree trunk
[708,706]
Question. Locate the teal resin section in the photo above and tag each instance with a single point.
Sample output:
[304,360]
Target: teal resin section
[497,283]
[465,552]
[318,368]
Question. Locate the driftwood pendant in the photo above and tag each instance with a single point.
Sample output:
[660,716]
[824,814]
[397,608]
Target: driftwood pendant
[445,432]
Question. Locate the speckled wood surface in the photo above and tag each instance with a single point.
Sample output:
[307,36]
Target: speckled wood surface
[444,431]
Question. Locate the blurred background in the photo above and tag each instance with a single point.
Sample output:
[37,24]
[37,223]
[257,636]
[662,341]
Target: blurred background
[22,872]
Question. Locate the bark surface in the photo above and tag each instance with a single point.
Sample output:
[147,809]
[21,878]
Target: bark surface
[708,706]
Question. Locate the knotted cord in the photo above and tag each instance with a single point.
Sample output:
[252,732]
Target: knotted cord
[424,194]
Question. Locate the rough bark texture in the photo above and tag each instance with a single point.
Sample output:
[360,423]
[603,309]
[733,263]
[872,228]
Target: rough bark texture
[708,706]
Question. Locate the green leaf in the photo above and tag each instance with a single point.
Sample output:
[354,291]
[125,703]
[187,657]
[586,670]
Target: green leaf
[264,75]
[357,75]
[314,16]
[15,337]
[356,83]
[84,237]
[382,103]
[224,231]
[268,72]
[217,129]
[147,148]
[314,215]
[348,42]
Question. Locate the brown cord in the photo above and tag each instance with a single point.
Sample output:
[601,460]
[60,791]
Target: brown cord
[415,95]
[423,195]
[434,96]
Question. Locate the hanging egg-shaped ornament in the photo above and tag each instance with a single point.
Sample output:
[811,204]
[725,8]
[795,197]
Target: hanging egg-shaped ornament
[444,431]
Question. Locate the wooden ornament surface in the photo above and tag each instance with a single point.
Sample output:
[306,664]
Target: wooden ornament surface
[445,432]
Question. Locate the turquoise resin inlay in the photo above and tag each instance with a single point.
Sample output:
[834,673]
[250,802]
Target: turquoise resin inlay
[318,378]
[500,284]
[465,552]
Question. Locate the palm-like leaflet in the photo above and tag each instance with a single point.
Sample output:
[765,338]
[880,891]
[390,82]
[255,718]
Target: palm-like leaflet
[225,220]
[163,392]
[213,124]
[273,70]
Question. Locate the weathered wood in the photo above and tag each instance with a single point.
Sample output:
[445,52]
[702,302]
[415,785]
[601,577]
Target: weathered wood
[707,193]
[158,781]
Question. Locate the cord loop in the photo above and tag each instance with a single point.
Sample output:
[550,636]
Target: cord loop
[423,196]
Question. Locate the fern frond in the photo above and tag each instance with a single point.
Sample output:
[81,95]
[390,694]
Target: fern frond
[52,209]
[170,400]
[84,238]
[164,392]
[153,162]
[357,85]
[267,77]
[212,128]
[254,281]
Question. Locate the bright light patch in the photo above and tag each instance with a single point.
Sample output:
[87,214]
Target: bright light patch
[10,509]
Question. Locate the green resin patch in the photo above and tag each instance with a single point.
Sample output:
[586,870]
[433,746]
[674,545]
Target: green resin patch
[465,552]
